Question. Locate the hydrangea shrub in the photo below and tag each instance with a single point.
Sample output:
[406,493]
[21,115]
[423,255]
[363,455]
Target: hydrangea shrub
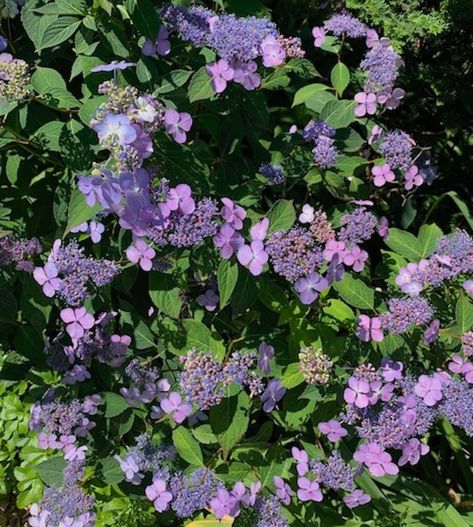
[210,314]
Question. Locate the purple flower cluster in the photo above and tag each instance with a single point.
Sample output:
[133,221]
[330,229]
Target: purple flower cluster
[403,313]
[381,64]
[396,148]
[145,457]
[273,173]
[345,23]
[203,380]
[146,385]
[14,78]
[320,134]
[238,42]
[68,272]
[18,252]
[59,424]
[357,226]
[315,365]
[127,121]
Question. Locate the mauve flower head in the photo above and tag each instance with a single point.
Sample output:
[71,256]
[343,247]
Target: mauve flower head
[228,241]
[222,503]
[177,124]
[47,277]
[157,493]
[273,53]
[140,253]
[355,257]
[161,46]
[221,73]
[309,287]
[259,230]
[429,389]
[209,300]
[356,498]
[391,98]
[265,354]
[413,178]
[307,215]
[302,459]
[357,393]
[372,38]
[174,406]
[319,36]
[113,66]
[245,74]
[180,198]
[272,395]
[369,329]
[383,228]
[253,257]
[77,320]
[116,126]
[333,430]
[366,104]
[382,174]
[391,370]
[378,461]
[334,248]
[308,490]
[412,452]
[96,229]
[233,214]
[432,332]
[283,490]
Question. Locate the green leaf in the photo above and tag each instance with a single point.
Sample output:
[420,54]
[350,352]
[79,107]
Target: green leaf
[227,277]
[271,295]
[201,337]
[339,310]
[355,292]
[428,237]
[115,404]
[200,87]
[305,93]
[281,216]
[52,88]
[111,471]
[144,339]
[144,16]
[165,293]
[78,211]
[464,314]
[58,31]
[338,114]
[187,447]
[405,244]
[229,420]
[51,471]
[172,81]
[292,376]
[340,77]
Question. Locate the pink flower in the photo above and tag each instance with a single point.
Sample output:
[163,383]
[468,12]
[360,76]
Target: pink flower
[357,392]
[382,174]
[468,286]
[376,133]
[376,459]
[177,124]
[283,490]
[302,459]
[259,230]
[47,277]
[233,214]
[307,215]
[221,73]
[273,53]
[333,248]
[391,98]
[73,452]
[139,252]
[372,38]
[308,490]
[333,430]
[413,178]
[429,389]
[46,441]
[180,198]
[173,405]
[319,36]
[369,329]
[157,493]
[228,241]
[391,370]
[253,257]
[246,74]
[356,498]
[366,104]
[356,258]
[77,320]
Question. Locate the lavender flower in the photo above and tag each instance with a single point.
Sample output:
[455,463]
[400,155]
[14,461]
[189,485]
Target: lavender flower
[272,395]
[345,23]
[273,173]
[382,64]
[406,312]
